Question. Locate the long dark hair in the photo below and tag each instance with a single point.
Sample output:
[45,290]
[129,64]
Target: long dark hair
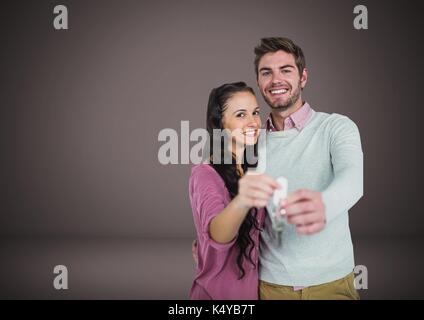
[228,171]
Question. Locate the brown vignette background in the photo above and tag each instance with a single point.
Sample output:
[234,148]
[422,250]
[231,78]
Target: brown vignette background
[81,110]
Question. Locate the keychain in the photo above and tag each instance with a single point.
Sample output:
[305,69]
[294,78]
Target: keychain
[278,220]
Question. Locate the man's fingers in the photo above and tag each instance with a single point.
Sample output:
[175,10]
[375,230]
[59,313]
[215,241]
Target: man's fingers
[299,208]
[298,195]
[304,219]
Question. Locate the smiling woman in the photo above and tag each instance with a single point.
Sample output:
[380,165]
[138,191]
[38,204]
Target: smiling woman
[224,200]
[241,118]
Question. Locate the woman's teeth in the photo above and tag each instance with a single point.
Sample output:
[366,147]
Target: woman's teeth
[250,133]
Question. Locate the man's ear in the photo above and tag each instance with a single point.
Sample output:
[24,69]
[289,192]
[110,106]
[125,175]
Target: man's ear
[304,78]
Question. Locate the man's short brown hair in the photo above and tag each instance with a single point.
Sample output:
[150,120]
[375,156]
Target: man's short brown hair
[276,44]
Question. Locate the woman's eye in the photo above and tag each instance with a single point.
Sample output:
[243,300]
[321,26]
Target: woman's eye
[240,115]
[256,113]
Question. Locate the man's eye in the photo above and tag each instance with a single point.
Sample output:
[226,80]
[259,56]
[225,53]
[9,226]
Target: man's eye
[286,71]
[266,73]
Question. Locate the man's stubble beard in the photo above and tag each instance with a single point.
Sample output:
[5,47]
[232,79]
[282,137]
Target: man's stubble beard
[288,104]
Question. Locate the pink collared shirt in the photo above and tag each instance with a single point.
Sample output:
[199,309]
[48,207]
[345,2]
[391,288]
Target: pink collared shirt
[296,120]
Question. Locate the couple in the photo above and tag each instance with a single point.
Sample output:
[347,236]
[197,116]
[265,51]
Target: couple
[320,154]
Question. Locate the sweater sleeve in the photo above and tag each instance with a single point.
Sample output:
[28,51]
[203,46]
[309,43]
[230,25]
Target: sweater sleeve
[346,188]
[208,198]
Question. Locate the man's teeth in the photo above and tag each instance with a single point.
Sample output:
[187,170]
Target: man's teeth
[279,91]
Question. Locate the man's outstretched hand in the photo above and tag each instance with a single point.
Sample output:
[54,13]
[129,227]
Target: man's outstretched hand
[306,210]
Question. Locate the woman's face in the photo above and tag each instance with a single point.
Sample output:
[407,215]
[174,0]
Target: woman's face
[242,118]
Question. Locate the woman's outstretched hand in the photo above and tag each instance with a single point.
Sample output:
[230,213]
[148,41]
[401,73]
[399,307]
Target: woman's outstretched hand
[255,190]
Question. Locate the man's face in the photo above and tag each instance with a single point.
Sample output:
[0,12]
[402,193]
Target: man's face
[279,80]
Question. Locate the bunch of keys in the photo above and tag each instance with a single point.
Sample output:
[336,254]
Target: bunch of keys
[279,194]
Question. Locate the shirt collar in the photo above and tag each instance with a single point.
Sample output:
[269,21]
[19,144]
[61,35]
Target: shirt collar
[296,120]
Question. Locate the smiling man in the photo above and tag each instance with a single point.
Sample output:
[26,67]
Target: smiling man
[321,156]
[282,93]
